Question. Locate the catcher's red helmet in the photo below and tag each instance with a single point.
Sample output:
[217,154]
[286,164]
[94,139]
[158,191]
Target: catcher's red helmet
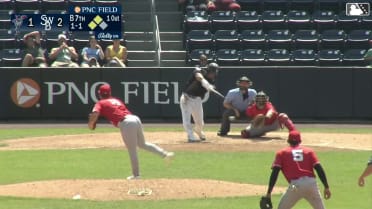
[104,90]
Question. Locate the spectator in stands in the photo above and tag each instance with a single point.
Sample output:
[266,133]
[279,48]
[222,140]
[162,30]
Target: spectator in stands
[92,54]
[63,55]
[193,5]
[34,54]
[223,5]
[116,54]
[368,55]
[203,60]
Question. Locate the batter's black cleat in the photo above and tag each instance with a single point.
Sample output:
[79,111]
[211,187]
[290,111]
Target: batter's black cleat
[193,141]
[221,133]
[203,139]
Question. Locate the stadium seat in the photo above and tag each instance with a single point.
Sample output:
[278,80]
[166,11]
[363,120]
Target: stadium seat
[366,22]
[347,22]
[297,20]
[199,39]
[227,39]
[228,57]
[329,57]
[333,5]
[5,22]
[303,57]
[247,5]
[10,57]
[27,5]
[81,2]
[282,5]
[253,39]
[194,55]
[358,39]
[7,39]
[278,57]
[196,20]
[279,39]
[253,57]
[306,39]
[53,5]
[222,20]
[248,20]
[354,57]
[7,4]
[273,19]
[80,39]
[106,2]
[303,5]
[324,20]
[332,39]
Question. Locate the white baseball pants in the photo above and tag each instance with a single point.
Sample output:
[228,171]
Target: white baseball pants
[192,106]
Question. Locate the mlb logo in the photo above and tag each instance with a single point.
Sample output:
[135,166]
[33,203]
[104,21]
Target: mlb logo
[357,9]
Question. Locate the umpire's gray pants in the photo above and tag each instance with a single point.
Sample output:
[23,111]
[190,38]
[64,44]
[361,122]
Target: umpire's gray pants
[132,134]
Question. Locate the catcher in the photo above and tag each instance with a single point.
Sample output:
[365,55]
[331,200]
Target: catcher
[264,118]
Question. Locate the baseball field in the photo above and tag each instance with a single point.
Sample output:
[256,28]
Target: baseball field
[63,166]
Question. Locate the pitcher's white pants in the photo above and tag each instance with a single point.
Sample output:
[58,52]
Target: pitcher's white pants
[192,107]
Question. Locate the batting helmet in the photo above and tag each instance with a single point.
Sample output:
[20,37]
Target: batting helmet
[212,67]
[104,90]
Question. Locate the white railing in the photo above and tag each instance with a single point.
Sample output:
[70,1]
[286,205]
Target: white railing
[156,32]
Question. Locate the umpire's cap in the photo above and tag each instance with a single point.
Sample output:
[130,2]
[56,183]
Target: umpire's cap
[294,136]
[244,78]
[104,90]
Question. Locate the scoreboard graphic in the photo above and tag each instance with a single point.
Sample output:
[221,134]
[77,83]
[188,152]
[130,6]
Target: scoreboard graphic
[104,21]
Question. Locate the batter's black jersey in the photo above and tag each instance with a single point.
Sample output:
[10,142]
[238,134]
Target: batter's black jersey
[193,87]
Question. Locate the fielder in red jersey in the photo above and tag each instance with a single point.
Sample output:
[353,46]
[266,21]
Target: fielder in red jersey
[116,112]
[265,118]
[297,164]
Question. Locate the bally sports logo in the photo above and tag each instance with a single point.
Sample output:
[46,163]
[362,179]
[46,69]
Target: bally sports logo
[25,93]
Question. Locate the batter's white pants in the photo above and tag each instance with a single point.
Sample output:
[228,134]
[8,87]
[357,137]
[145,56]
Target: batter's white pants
[305,187]
[192,107]
[132,134]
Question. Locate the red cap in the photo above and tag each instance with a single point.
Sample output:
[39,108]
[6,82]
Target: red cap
[104,90]
[294,136]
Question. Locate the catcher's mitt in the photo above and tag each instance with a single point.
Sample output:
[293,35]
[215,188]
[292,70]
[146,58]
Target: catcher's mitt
[258,121]
[265,203]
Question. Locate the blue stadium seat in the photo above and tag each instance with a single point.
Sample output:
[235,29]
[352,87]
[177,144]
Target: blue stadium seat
[106,2]
[304,5]
[228,57]
[366,22]
[297,20]
[10,57]
[199,39]
[278,57]
[273,19]
[7,4]
[347,22]
[7,39]
[253,39]
[332,39]
[194,55]
[5,22]
[196,20]
[282,5]
[329,57]
[303,57]
[333,5]
[279,39]
[27,5]
[253,57]
[306,39]
[354,57]
[248,20]
[227,39]
[247,5]
[222,20]
[324,20]
[358,39]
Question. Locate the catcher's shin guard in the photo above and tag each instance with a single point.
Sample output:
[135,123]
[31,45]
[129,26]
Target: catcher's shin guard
[245,134]
[284,120]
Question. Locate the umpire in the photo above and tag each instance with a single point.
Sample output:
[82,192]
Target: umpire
[236,102]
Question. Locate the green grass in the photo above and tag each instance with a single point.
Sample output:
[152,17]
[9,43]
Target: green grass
[342,168]
[35,132]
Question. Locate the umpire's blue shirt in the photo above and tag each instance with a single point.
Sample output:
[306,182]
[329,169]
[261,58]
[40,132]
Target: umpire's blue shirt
[235,98]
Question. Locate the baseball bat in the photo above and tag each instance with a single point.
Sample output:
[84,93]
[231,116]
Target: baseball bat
[218,93]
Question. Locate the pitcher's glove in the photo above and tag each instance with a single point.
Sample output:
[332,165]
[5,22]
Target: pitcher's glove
[258,121]
[265,203]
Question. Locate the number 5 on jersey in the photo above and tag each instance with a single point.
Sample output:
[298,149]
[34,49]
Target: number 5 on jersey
[298,155]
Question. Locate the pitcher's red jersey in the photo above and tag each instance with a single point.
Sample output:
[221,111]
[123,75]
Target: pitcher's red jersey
[296,162]
[112,109]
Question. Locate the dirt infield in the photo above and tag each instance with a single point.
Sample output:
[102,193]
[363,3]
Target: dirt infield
[160,189]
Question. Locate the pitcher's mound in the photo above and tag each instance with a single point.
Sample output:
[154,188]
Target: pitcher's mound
[148,189]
